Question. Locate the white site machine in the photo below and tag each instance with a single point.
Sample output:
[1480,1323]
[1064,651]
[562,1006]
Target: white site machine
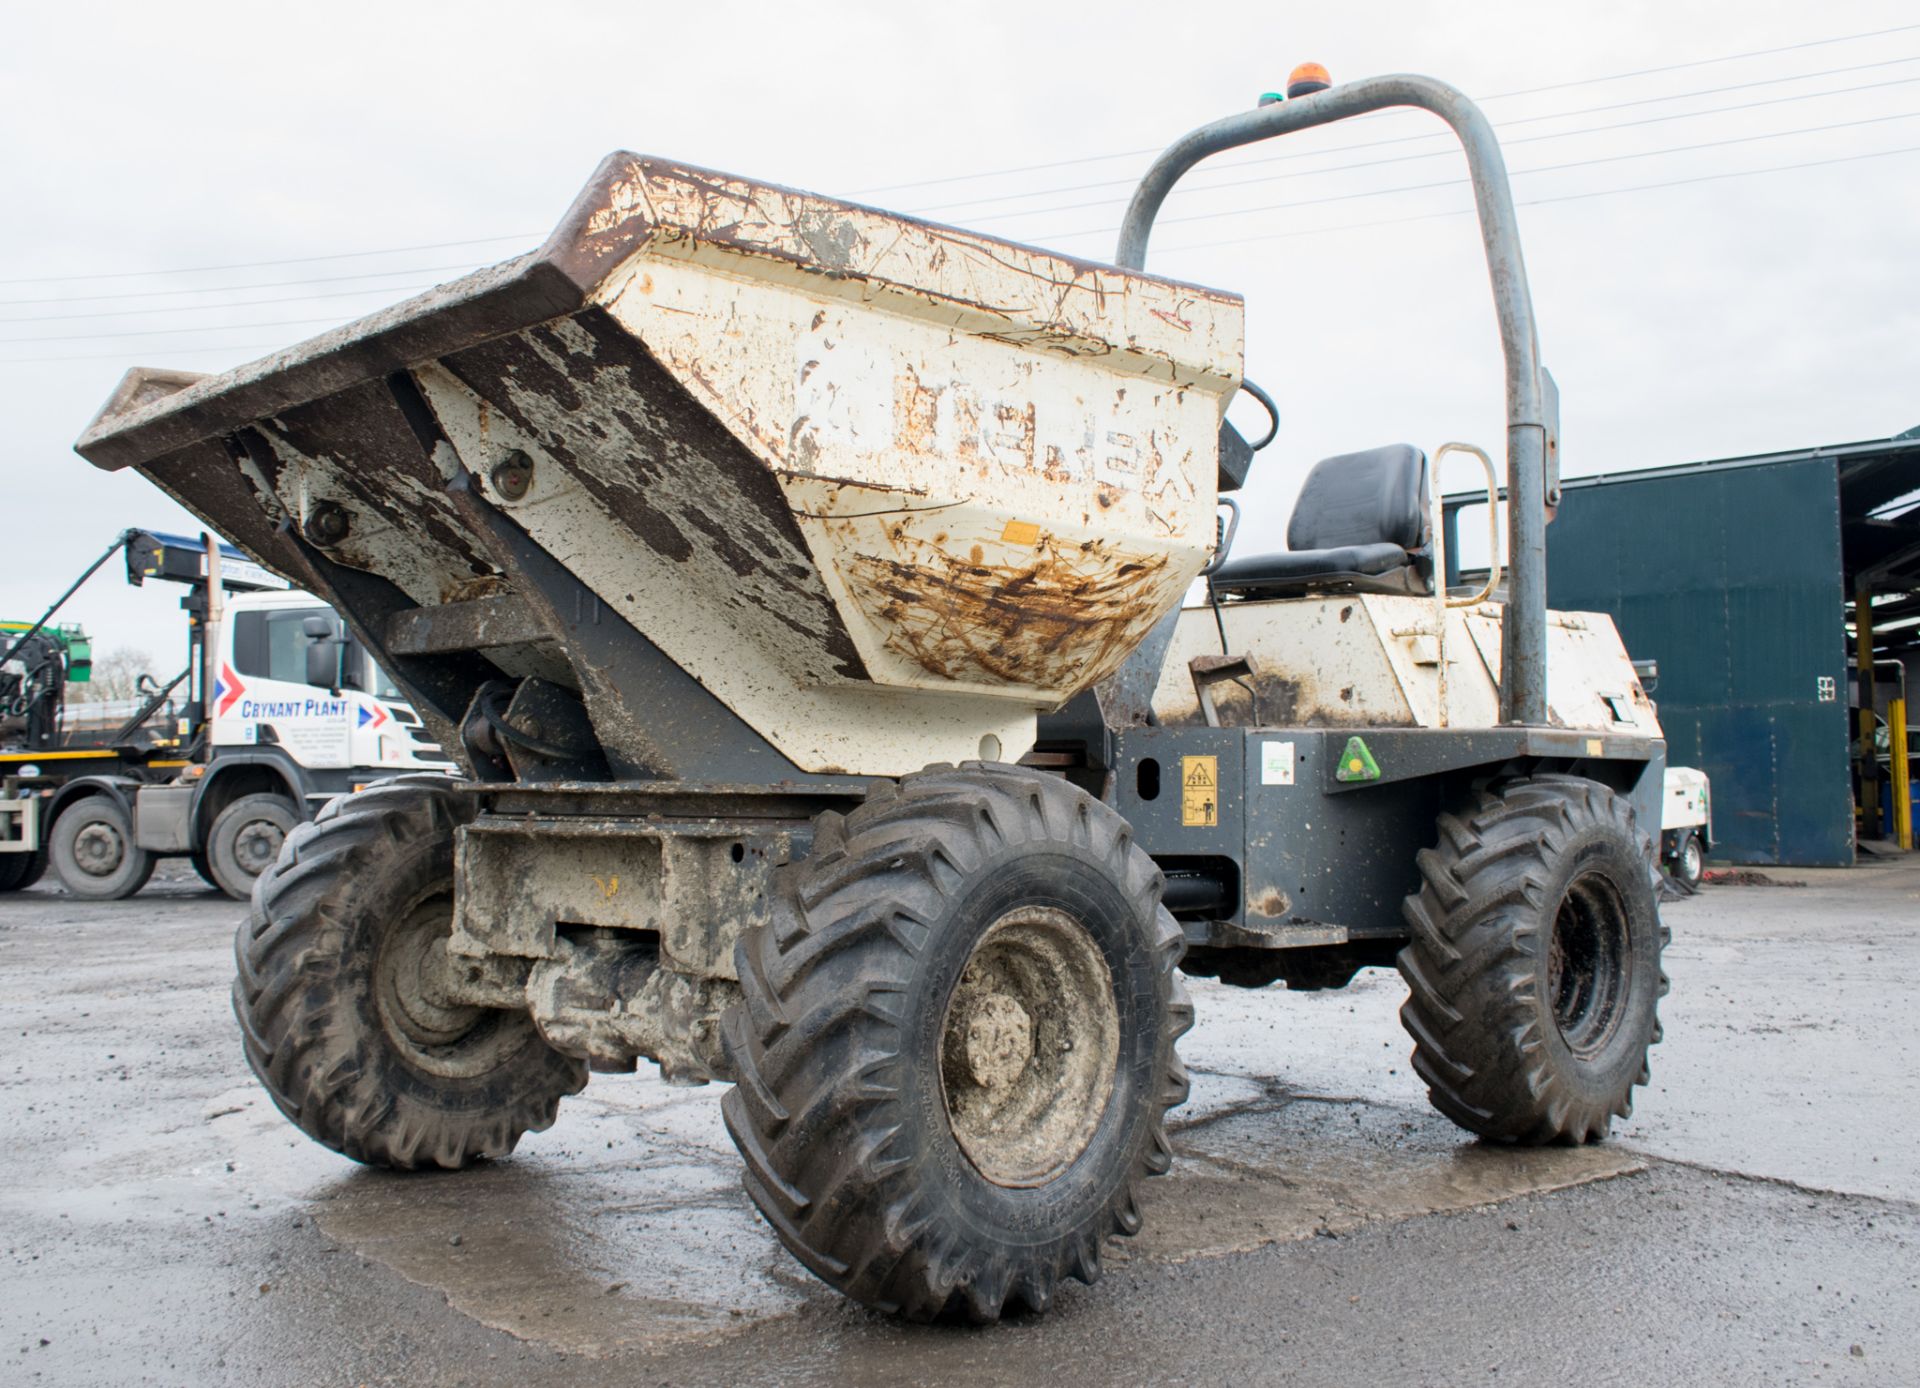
[1686,823]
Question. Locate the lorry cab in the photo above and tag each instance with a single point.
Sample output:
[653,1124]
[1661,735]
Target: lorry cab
[291,679]
[297,712]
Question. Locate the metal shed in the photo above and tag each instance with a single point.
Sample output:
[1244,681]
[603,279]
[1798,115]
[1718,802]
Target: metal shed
[1736,576]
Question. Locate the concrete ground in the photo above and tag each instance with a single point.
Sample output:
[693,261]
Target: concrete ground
[1758,1220]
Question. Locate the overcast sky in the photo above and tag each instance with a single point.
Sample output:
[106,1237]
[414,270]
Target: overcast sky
[1710,317]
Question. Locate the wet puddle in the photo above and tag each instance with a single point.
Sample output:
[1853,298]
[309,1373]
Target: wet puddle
[625,1225]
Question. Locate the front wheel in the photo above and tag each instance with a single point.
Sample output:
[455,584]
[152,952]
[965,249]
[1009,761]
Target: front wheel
[198,857]
[1533,974]
[1690,862]
[955,1048]
[342,1001]
[93,851]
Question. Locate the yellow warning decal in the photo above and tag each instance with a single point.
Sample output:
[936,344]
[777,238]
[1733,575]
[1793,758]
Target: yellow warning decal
[1019,532]
[1199,792]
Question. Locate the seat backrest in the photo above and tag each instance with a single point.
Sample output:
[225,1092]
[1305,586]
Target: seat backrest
[1369,498]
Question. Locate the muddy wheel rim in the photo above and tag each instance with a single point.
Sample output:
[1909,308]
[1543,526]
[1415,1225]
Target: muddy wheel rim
[1029,1047]
[439,1035]
[98,849]
[1691,859]
[1589,964]
[256,845]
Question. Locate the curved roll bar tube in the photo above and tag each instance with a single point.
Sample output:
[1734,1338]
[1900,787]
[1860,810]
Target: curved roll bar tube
[1523,674]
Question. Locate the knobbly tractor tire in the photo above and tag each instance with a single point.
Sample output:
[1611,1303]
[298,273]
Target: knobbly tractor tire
[956,1045]
[91,847]
[1534,971]
[336,1002]
[245,841]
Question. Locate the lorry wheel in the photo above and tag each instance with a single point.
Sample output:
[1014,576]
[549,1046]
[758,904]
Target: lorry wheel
[200,865]
[1534,969]
[338,1003]
[92,850]
[245,839]
[1690,861]
[955,1044]
[18,871]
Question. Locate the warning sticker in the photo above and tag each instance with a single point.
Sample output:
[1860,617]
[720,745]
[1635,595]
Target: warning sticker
[1199,792]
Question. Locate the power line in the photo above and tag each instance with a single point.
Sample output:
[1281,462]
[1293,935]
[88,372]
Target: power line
[1065,235]
[262,264]
[1540,202]
[957,178]
[1206,216]
[160,332]
[170,351]
[1496,96]
[1716,177]
[1516,173]
[1630,125]
[1190,246]
[1721,91]
[1708,62]
[228,288]
[1000,216]
[1433,154]
[222,304]
[954,178]
[1425,136]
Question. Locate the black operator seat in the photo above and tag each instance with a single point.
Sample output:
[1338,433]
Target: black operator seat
[1360,526]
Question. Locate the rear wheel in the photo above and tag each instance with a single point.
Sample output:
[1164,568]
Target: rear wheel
[955,1049]
[18,871]
[1534,971]
[92,850]
[244,841]
[342,1001]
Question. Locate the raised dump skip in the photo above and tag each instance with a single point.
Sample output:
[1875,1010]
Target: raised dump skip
[816,453]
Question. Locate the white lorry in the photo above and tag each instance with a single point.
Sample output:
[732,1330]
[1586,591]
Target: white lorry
[291,712]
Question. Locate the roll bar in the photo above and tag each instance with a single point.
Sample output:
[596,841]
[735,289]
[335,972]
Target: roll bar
[1533,425]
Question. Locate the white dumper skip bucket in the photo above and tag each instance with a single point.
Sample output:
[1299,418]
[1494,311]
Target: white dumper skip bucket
[817,454]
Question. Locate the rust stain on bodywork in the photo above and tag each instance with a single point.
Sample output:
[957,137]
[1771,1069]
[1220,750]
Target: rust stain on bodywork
[1272,903]
[1069,608]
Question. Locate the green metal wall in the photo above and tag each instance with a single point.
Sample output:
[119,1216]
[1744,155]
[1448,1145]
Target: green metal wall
[1731,579]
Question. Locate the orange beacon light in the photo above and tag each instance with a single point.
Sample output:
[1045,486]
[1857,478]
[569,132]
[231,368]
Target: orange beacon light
[1307,79]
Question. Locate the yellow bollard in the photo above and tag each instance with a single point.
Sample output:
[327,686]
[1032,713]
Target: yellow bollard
[1898,769]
